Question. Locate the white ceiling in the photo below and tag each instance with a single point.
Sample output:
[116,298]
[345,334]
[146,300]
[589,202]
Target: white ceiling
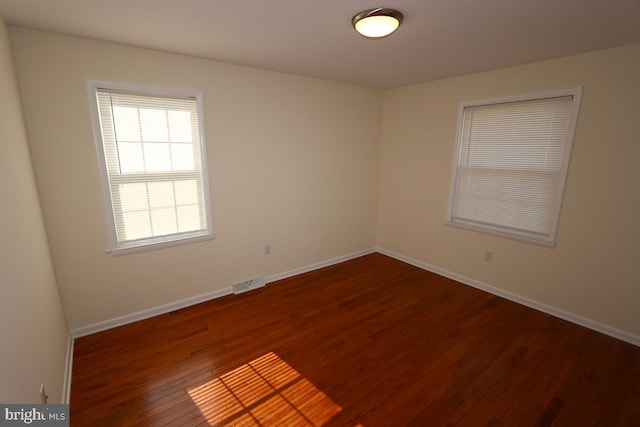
[438,38]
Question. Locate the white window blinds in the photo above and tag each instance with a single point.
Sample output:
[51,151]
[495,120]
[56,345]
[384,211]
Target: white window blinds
[153,160]
[511,165]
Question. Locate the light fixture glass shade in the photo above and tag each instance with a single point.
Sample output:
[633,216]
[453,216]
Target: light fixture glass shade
[377,23]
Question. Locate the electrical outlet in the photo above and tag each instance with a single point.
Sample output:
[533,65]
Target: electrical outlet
[43,395]
[488,256]
[267,249]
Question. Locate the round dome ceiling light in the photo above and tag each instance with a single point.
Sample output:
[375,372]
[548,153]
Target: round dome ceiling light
[377,23]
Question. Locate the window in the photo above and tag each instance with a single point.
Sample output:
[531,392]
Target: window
[510,165]
[151,151]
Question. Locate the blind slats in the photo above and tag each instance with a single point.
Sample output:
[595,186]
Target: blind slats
[153,156]
[510,164]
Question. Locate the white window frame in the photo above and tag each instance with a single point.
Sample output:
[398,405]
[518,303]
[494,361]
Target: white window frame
[116,248]
[550,239]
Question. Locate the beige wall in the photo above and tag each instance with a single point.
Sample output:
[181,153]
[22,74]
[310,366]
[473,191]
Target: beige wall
[296,162]
[594,271]
[293,162]
[33,329]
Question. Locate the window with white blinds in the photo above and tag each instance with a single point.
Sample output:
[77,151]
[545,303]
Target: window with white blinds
[151,150]
[510,165]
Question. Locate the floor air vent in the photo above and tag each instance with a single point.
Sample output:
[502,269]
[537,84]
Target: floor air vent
[249,285]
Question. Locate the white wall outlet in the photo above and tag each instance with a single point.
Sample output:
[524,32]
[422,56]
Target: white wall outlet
[43,395]
[488,256]
[267,249]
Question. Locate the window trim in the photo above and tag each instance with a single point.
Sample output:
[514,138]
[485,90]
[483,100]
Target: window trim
[549,242]
[115,248]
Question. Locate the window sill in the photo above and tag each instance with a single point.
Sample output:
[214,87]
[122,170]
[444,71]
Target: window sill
[497,233]
[160,245]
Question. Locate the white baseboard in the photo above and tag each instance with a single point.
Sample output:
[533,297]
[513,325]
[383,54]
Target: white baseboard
[150,312]
[554,311]
[318,265]
[68,369]
[176,305]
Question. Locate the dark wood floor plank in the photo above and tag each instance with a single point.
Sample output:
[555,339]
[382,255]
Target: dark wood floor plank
[370,342]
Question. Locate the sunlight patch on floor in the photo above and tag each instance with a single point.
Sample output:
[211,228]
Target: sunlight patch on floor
[265,391]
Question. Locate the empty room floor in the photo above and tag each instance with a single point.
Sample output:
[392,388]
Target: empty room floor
[368,342]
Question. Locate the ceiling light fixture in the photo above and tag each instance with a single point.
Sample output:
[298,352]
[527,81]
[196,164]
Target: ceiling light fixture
[377,23]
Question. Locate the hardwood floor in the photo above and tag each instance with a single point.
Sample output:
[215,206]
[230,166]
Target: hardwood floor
[369,342]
